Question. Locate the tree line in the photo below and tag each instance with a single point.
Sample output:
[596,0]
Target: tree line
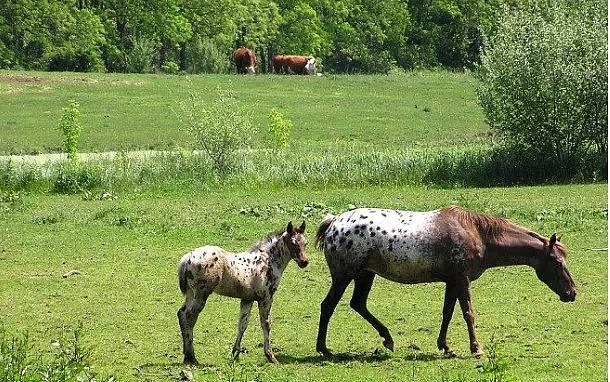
[198,36]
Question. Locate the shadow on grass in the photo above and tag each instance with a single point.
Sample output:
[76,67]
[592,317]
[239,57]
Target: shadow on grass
[363,357]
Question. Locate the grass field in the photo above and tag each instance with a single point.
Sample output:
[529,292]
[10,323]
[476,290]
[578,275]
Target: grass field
[125,242]
[127,112]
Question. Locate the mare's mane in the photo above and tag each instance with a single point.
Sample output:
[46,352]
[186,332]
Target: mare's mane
[486,224]
[492,226]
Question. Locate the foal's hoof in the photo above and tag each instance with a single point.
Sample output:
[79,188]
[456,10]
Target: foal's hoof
[478,354]
[271,358]
[389,344]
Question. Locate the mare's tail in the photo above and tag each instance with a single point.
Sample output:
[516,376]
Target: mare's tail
[182,274]
[328,220]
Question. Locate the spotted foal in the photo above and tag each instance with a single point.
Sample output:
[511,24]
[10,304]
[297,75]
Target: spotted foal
[249,276]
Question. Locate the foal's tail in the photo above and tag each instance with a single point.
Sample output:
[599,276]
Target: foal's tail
[182,274]
[328,220]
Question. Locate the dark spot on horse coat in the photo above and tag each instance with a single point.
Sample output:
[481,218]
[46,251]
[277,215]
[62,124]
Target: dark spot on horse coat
[347,233]
[189,274]
[349,245]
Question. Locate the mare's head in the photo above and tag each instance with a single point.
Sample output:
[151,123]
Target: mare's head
[553,270]
[295,242]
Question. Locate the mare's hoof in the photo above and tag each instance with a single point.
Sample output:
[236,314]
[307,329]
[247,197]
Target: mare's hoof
[478,354]
[325,352]
[389,344]
[449,353]
[190,360]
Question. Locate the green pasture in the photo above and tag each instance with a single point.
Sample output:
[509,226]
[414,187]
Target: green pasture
[126,247]
[131,112]
[124,237]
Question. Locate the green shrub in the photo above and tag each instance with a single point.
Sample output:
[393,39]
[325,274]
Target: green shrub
[140,57]
[203,56]
[220,129]
[279,127]
[71,129]
[544,80]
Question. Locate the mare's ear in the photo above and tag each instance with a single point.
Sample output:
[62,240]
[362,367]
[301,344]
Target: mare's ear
[290,228]
[553,241]
[302,227]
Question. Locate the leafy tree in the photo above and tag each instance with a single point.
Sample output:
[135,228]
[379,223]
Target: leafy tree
[302,32]
[544,79]
[366,33]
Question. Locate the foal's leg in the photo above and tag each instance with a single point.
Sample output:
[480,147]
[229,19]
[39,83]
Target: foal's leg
[187,317]
[327,307]
[362,286]
[448,307]
[468,313]
[264,309]
[242,324]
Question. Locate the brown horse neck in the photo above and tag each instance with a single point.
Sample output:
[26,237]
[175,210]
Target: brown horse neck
[515,246]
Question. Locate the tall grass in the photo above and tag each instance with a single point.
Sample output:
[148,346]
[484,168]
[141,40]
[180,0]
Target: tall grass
[68,363]
[481,167]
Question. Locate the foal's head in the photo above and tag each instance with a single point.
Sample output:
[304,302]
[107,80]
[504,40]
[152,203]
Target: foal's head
[553,271]
[294,240]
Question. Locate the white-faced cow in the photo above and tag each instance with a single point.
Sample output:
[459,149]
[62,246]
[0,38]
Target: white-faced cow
[294,64]
[245,60]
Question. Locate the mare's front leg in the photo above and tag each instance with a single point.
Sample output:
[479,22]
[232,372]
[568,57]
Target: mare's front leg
[264,310]
[448,308]
[465,300]
[242,323]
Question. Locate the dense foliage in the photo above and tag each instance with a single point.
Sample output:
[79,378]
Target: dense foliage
[353,36]
[544,85]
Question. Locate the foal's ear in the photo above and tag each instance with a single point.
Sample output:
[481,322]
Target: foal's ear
[290,228]
[302,227]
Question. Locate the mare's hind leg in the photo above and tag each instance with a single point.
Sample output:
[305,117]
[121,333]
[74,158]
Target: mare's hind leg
[327,308]
[187,317]
[242,323]
[362,286]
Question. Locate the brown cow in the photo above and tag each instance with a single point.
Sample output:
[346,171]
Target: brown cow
[294,64]
[245,60]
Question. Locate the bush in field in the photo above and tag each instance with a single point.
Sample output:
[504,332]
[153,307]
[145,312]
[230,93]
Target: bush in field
[279,127]
[544,80]
[71,129]
[220,129]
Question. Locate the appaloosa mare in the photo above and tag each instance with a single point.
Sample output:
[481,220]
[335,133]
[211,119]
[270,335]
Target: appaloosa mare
[250,276]
[451,245]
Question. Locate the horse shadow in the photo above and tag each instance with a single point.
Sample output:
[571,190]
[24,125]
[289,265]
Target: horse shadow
[376,356]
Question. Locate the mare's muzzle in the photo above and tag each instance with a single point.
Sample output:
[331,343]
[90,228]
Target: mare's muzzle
[568,296]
